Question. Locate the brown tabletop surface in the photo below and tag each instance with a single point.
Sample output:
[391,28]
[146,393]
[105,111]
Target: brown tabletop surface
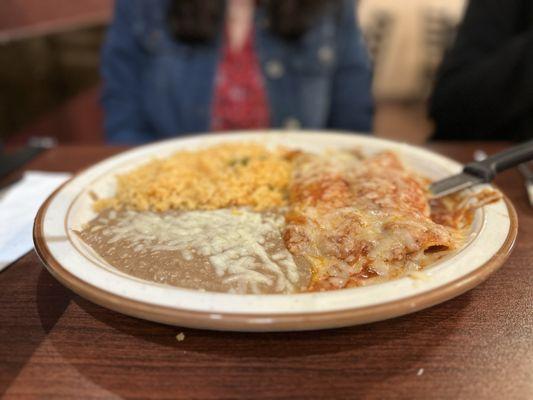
[55,344]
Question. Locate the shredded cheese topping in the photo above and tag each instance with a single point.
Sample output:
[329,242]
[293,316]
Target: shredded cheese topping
[234,241]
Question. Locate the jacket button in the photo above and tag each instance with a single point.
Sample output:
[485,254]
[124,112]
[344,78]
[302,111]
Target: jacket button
[274,69]
[326,54]
[292,123]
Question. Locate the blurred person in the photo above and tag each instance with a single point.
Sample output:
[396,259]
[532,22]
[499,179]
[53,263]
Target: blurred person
[484,89]
[182,66]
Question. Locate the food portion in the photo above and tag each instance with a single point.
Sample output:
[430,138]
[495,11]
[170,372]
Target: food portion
[221,250]
[354,218]
[241,218]
[227,175]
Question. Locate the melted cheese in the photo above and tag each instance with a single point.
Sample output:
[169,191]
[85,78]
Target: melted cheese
[235,242]
[353,218]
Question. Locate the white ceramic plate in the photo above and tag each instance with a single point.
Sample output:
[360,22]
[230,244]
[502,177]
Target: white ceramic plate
[78,267]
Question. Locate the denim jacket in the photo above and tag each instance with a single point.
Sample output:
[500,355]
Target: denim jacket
[156,87]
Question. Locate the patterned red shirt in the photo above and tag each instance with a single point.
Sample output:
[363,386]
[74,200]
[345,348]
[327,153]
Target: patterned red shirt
[240,100]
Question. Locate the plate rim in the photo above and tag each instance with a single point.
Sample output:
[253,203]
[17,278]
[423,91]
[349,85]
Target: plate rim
[271,321]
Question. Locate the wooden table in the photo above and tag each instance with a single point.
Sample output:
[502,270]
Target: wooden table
[477,346]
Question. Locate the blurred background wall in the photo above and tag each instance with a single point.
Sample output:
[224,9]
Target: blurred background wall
[49,58]
[407,40]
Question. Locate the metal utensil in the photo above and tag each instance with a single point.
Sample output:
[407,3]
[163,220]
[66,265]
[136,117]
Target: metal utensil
[483,171]
[13,161]
[527,173]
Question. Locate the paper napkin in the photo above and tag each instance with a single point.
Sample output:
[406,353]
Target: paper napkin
[18,206]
